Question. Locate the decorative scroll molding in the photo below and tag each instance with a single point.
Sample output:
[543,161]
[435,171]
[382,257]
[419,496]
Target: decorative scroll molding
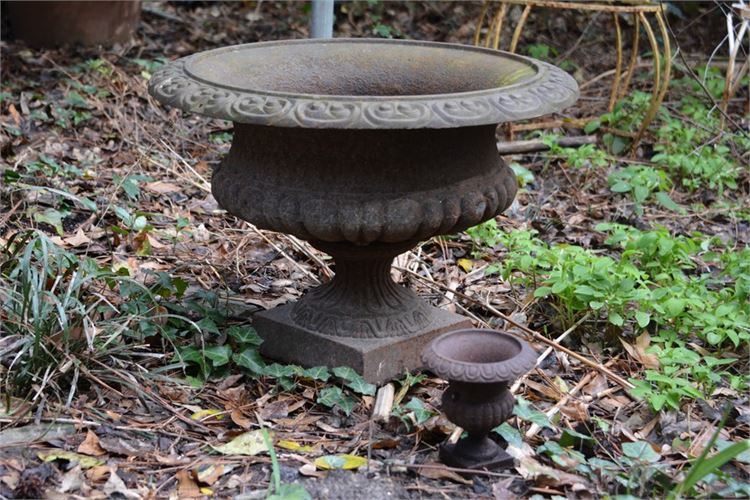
[550,90]
[501,371]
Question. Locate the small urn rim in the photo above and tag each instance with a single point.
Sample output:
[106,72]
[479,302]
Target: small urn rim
[477,355]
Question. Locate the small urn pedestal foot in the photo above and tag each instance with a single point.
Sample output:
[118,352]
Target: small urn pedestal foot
[475,453]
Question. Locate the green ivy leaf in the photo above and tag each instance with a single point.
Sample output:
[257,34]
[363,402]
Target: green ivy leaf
[276,370]
[250,359]
[525,411]
[317,373]
[641,450]
[245,335]
[52,217]
[355,380]
[218,354]
[334,396]
[510,434]
[421,412]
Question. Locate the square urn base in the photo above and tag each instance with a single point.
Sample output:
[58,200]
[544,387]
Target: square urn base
[377,360]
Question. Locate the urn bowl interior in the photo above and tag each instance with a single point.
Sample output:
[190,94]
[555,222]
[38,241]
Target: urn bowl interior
[479,356]
[360,67]
[477,346]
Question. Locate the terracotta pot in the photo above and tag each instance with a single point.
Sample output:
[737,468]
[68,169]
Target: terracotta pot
[56,23]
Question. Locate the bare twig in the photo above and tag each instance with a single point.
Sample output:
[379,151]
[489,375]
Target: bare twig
[536,145]
[533,334]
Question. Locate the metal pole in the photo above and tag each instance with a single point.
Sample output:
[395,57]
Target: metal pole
[321,22]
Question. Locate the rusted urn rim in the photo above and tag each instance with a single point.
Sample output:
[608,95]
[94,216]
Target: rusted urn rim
[479,356]
[208,83]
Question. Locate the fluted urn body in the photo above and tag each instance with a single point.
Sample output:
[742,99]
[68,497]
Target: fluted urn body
[479,365]
[364,148]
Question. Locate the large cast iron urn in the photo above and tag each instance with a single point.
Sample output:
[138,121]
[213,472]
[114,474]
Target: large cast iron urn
[364,148]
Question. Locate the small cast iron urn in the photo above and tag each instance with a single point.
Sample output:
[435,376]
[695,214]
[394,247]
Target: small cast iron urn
[364,148]
[479,365]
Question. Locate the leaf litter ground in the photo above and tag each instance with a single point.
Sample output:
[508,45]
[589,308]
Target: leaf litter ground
[106,174]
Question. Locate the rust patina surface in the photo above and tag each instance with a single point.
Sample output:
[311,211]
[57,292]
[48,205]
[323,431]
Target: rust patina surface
[480,365]
[364,148]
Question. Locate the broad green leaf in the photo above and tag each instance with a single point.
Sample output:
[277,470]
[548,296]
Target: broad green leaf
[616,319]
[572,438]
[317,373]
[421,412]
[249,443]
[620,187]
[641,450]
[276,370]
[667,202]
[642,318]
[354,380]
[510,434]
[208,325]
[52,217]
[524,411]
[542,291]
[218,354]
[334,396]
[346,462]
[84,461]
[290,491]
[592,126]
[245,335]
[250,359]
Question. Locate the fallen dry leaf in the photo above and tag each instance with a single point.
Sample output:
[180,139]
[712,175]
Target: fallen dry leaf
[543,475]
[210,473]
[161,187]
[186,486]
[116,486]
[72,481]
[501,490]
[439,471]
[310,470]
[77,240]
[638,351]
[240,419]
[91,446]
[250,443]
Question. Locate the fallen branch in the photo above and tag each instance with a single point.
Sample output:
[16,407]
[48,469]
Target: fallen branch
[535,335]
[536,145]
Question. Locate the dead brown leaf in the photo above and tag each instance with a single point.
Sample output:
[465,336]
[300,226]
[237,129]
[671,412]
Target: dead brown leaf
[78,240]
[162,187]
[501,490]
[543,475]
[439,471]
[186,486]
[638,351]
[90,446]
[240,419]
